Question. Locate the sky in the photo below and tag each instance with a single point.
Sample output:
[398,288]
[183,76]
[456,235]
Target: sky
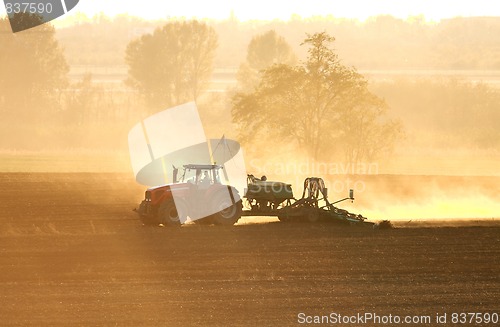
[433,10]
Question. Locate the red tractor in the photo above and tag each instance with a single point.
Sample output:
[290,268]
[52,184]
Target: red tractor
[199,194]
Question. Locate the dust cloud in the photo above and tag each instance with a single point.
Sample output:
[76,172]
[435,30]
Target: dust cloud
[430,198]
[380,196]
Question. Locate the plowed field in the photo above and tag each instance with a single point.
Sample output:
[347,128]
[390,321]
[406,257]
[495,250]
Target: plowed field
[73,253]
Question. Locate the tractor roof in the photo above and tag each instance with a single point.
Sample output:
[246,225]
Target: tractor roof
[196,166]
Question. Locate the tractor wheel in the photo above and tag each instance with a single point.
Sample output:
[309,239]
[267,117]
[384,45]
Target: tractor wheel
[226,213]
[169,214]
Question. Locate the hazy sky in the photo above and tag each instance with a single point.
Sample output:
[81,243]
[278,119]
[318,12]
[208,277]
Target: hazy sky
[279,9]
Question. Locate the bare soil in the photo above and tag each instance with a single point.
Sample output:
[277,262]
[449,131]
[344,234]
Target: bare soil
[73,253]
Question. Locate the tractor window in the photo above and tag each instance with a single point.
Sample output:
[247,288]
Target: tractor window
[201,176]
[216,176]
[189,176]
[205,178]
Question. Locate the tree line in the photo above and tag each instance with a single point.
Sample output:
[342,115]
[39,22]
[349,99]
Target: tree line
[319,104]
[314,103]
[457,43]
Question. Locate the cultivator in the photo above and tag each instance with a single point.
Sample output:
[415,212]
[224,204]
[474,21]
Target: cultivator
[265,198]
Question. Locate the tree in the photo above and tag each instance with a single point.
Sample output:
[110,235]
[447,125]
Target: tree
[263,51]
[173,64]
[267,49]
[33,70]
[321,104]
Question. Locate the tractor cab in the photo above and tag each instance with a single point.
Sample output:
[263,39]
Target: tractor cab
[197,193]
[201,175]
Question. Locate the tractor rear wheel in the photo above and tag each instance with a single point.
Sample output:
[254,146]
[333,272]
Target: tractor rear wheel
[226,212]
[169,214]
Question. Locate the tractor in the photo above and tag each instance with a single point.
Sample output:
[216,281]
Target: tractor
[199,194]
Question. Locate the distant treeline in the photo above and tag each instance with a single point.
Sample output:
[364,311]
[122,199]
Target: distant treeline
[42,109]
[381,42]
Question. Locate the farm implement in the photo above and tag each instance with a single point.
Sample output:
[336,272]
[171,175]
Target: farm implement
[267,198]
[202,195]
